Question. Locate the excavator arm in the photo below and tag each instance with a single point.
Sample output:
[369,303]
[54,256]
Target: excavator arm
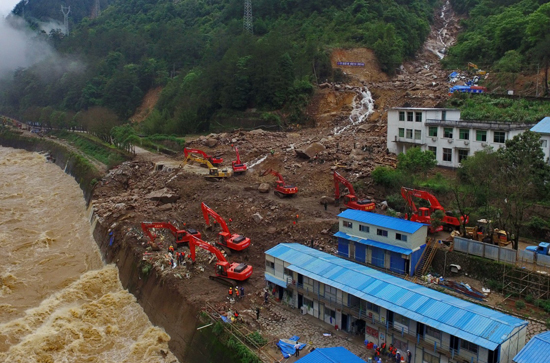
[406,193]
[434,203]
[197,242]
[180,235]
[207,212]
[212,159]
[340,179]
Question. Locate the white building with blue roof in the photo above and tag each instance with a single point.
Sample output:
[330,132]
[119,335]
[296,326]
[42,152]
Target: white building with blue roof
[385,242]
[543,128]
[536,350]
[435,327]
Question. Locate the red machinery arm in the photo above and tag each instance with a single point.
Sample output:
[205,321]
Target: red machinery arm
[207,211]
[147,226]
[188,151]
[238,156]
[340,179]
[406,193]
[273,172]
[434,203]
[196,242]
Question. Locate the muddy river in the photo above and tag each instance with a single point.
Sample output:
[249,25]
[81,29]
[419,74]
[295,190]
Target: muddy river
[58,301]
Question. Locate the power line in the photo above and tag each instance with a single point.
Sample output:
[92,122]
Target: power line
[247,19]
[66,10]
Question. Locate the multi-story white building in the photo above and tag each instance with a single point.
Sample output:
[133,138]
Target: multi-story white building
[435,327]
[385,242]
[441,131]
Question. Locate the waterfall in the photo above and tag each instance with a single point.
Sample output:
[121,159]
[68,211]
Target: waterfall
[363,107]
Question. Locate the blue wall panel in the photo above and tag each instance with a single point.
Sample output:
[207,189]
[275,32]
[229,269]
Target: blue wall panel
[360,252]
[343,247]
[378,257]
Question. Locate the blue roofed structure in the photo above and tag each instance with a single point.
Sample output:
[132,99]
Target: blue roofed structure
[536,350]
[331,355]
[362,295]
[542,127]
[381,241]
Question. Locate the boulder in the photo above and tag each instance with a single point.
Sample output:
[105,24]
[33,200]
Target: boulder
[272,230]
[257,132]
[264,188]
[257,217]
[328,200]
[164,195]
[211,142]
[310,151]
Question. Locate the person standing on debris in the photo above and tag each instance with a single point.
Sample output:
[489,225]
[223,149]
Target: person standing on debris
[230,291]
[297,347]
[171,250]
[266,296]
[236,315]
[398,357]
[236,292]
[325,204]
[242,292]
[257,313]
[409,356]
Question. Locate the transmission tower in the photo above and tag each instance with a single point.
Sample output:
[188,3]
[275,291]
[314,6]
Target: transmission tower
[247,19]
[66,10]
[96,10]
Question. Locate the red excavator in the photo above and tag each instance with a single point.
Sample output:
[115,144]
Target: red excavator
[213,160]
[238,166]
[233,241]
[423,214]
[182,236]
[281,189]
[350,199]
[226,272]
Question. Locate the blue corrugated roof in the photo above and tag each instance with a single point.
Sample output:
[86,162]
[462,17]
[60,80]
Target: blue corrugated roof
[485,327]
[331,355]
[543,126]
[369,242]
[536,350]
[275,280]
[380,220]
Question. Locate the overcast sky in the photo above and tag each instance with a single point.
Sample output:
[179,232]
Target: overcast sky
[7,5]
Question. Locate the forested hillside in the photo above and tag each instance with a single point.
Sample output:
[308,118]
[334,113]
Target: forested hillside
[208,66]
[507,36]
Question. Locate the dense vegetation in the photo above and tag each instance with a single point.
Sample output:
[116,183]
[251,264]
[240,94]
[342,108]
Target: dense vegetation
[199,53]
[508,36]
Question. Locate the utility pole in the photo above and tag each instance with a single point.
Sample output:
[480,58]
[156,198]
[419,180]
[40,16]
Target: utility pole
[96,10]
[538,74]
[247,19]
[66,10]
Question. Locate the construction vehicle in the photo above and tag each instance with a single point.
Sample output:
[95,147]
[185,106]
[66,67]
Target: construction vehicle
[350,199]
[235,242]
[423,214]
[484,232]
[237,165]
[213,172]
[213,159]
[182,236]
[542,249]
[281,189]
[226,272]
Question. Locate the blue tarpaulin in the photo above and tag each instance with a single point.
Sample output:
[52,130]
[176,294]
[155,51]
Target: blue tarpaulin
[287,346]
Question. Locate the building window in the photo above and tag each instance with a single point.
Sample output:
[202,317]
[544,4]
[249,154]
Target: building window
[401,116]
[401,132]
[400,319]
[418,117]
[499,137]
[433,149]
[428,358]
[434,333]
[448,132]
[269,264]
[409,134]
[464,134]
[447,154]
[469,346]
[348,224]
[481,135]
[543,143]
[308,280]
[417,134]
[382,232]
[330,314]
[462,155]
[432,131]
[443,115]
[373,307]
[307,302]
[364,228]
[401,237]
[330,292]
[287,272]
[410,116]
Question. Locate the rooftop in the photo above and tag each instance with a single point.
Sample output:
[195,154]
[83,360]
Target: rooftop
[424,109]
[543,126]
[485,327]
[536,348]
[380,220]
[331,355]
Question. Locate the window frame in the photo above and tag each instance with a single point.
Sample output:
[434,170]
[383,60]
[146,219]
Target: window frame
[469,346]
[433,332]
[463,157]
[418,116]
[500,134]
[410,116]
[448,134]
[418,134]
[347,224]
[434,150]
[401,132]
[373,307]
[364,228]
[381,232]
[408,133]
[481,134]
[447,153]
[433,128]
[464,134]
[401,237]
[401,116]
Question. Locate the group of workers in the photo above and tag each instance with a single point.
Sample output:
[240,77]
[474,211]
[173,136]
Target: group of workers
[178,258]
[392,353]
[238,292]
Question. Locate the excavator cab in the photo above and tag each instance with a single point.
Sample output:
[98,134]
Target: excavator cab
[221,269]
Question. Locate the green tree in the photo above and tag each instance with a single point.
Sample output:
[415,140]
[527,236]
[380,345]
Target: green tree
[415,161]
[388,49]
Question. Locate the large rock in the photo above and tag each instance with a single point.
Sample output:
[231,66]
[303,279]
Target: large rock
[328,200]
[164,195]
[211,142]
[257,217]
[310,151]
[264,188]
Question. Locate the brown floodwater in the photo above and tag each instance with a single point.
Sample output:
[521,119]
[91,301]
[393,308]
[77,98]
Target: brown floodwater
[58,301]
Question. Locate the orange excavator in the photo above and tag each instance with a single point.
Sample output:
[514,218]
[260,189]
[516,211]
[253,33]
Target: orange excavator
[226,272]
[213,160]
[281,189]
[182,236]
[238,166]
[232,241]
[423,214]
[350,199]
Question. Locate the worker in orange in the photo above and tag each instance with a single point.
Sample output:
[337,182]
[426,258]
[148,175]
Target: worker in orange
[236,292]
[171,249]
[230,291]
